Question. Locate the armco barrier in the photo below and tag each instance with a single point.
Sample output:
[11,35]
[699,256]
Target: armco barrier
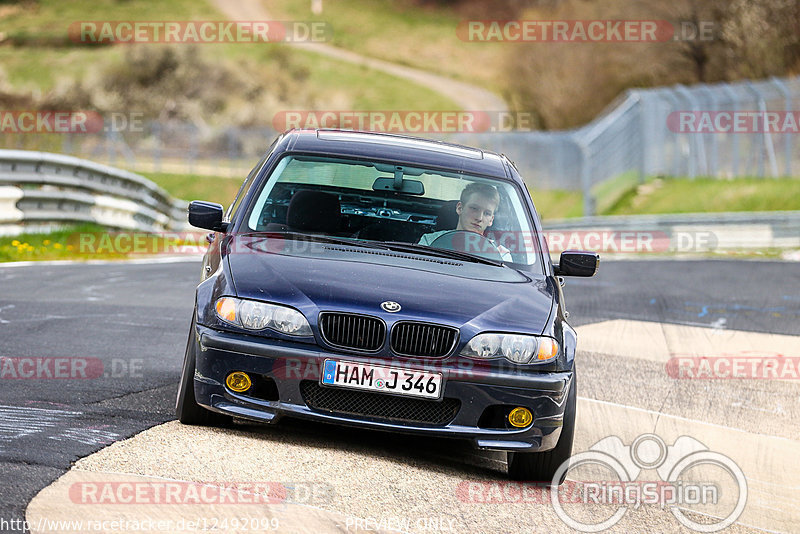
[41,190]
[696,232]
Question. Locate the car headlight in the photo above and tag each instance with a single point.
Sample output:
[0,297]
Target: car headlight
[513,347]
[254,315]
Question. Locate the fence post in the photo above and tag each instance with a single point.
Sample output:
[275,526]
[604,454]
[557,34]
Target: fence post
[691,163]
[761,136]
[736,143]
[713,169]
[645,135]
[157,148]
[673,106]
[787,136]
[586,178]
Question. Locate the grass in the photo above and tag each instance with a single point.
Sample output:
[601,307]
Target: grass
[41,67]
[624,196]
[93,242]
[363,88]
[194,187]
[558,204]
[58,245]
[403,32]
[706,195]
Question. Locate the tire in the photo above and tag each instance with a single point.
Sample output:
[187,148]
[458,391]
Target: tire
[542,466]
[187,410]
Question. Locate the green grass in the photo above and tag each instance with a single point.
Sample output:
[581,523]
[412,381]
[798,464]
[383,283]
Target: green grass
[403,32]
[194,187]
[39,68]
[683,195]
[558,204]
[59,245]
[624,196]
[333,81]
[92,242]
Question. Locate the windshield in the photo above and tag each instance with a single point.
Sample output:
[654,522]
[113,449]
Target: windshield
[416,209]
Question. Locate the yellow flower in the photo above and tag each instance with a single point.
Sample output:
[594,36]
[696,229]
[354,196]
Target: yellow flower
[57,245]
[46,242]
[70,247]
[15,243]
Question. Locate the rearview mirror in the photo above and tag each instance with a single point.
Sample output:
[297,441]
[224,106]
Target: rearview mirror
[408,187]
[207,215]
[577,263]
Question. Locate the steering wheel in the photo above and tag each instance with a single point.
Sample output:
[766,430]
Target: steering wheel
[470,242]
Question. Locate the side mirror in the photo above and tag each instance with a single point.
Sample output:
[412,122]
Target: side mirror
[577,263]
[206,215]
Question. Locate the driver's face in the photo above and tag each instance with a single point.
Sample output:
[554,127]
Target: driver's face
[477,214]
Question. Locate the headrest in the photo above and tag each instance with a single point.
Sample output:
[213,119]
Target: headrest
[447,218]
[314,211]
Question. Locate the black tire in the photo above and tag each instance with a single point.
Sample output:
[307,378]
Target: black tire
[542,466]
[187,410]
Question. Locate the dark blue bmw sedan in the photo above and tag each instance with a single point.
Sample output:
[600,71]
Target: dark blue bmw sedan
[386,282]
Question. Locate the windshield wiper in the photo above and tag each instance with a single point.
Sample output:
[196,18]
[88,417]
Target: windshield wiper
[440,252]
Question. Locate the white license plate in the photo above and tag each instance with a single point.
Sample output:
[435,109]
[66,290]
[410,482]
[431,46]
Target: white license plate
[382,379]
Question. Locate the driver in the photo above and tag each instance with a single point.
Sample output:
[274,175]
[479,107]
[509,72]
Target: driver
[475,209]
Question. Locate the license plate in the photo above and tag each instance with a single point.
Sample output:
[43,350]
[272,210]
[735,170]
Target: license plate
[382,379]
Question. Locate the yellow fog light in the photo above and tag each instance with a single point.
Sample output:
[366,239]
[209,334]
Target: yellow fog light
[520,417]
[238,381]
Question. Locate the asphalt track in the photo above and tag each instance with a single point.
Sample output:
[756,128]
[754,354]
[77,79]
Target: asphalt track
[130,322]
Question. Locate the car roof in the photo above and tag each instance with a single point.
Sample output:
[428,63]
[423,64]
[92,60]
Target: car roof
[395,147]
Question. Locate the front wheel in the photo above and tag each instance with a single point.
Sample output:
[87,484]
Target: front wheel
[542,466]
[187,410]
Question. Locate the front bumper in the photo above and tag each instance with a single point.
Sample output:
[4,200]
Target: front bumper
[289,364]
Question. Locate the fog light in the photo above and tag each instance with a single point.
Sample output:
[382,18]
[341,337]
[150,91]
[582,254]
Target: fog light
[520,417]
[239,382]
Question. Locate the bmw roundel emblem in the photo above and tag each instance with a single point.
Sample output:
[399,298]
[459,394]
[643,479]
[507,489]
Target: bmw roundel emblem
[390,306]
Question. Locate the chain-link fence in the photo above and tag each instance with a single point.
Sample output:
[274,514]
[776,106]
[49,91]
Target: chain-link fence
[722,130]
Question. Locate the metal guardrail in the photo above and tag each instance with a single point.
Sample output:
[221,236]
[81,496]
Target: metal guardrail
[41,190]
[687,232]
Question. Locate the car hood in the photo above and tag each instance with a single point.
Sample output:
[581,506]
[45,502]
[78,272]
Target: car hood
[319,277]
